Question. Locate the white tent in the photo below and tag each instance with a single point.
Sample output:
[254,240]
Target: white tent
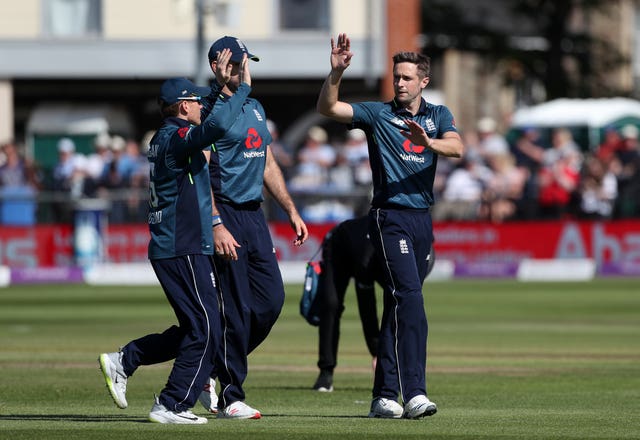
[591,114]
[68,118]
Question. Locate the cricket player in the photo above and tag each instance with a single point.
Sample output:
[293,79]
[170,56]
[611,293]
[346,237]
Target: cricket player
[405,137]
[181,247]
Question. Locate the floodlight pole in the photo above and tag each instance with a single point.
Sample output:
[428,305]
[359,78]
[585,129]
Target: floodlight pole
[200,75]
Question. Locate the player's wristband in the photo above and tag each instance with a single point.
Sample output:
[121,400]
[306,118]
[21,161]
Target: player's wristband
[215,220]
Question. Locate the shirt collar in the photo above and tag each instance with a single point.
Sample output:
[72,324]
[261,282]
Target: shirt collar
[401,110]
[173,120]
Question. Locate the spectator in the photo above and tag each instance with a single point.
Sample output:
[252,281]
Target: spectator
[356,152]
[529,153]
[315,158]
[529,150]
[97,162]
[598,190]
[626,166]
[341,178]
[463,192]
[115,181]
[138,199]
[280,151]
[562,146]
[69,174]
[19,183]
[504,190]
[490,141]
[611,144]
[70,179]
[15,170]
[558,182]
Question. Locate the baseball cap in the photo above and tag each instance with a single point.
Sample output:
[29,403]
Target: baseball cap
[178,89]
[237,49]
[66,145]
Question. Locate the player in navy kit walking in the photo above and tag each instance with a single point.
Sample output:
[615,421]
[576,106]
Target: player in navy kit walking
[405,137]
[251,287]
[181,247]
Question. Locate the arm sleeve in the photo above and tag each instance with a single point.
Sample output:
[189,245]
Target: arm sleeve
[214,126]
[446,121]
[209,101]
[364,113]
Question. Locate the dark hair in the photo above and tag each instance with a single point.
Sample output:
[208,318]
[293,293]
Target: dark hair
[422,61]
[169,110]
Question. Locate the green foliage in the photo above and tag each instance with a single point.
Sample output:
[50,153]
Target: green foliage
[506,360]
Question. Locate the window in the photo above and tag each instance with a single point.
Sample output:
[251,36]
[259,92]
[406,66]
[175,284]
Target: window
[304,15]
[71,18]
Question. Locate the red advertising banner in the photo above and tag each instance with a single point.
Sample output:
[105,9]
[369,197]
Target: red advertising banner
[605,242]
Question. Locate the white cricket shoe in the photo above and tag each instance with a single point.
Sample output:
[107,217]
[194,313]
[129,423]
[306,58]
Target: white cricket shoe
[239,410]
[116,380]
[160,414]
[419,406]
[384,408]
[208,397]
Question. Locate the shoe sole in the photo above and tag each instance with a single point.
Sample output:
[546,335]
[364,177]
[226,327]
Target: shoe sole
[324,389]
[104,368]
[252,417]
[173,422]
[380,416]
[431,410]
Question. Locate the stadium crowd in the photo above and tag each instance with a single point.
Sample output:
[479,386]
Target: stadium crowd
[496,180]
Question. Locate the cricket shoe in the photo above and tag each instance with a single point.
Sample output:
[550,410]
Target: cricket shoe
[208,397]
[384,408]
[116,380]
[419,406]
[239,410]
[160,414]
[324,383]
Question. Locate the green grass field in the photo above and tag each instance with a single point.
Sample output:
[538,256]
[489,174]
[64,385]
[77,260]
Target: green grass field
[507,360]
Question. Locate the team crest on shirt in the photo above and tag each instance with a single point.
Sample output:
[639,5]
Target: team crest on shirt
[430,125]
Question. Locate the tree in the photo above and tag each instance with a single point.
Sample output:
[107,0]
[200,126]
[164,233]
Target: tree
[538,39]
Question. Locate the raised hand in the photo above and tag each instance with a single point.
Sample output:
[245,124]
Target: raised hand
[222,67]
[341,53]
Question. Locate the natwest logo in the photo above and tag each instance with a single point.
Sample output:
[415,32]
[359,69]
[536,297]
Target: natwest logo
[253,139]
[412,148]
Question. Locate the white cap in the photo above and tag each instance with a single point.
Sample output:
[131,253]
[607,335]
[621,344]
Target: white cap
[102,140]
[630,131]
[318,134]
[487,125]
[66,145]
[117,143]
